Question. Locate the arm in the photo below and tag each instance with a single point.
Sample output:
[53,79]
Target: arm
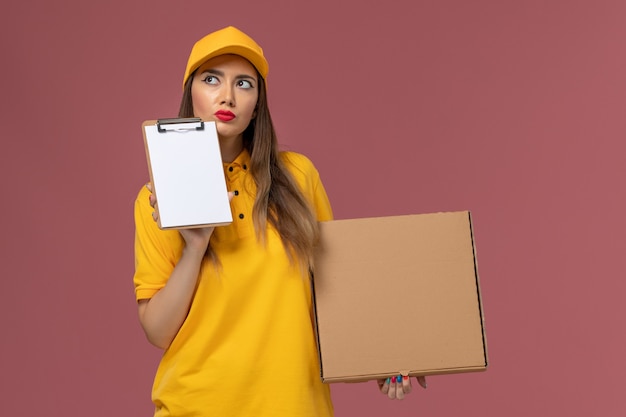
[162,315]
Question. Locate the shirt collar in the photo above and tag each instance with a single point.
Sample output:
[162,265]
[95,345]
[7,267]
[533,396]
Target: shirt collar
[241,162]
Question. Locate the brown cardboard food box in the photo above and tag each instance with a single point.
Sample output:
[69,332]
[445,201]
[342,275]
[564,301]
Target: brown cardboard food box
[398,295]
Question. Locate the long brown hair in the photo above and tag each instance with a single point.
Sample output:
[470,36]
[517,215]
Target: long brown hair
[278,199]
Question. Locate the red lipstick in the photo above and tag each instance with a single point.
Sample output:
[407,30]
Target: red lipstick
[224,115]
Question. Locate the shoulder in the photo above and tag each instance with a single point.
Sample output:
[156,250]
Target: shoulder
[308,178]
[142,200]
[298,164]
[152,241]
[143,192]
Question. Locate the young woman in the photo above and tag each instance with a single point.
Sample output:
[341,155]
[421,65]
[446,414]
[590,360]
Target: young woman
[231,306]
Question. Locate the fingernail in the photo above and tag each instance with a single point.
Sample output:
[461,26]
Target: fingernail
[399,378]
[388,381]
[405,377]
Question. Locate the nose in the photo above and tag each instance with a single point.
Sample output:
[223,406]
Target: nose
[228,96]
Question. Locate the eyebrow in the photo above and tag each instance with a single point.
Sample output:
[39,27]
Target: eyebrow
[221,74]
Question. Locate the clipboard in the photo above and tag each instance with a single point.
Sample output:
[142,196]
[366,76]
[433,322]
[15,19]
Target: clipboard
[187,173]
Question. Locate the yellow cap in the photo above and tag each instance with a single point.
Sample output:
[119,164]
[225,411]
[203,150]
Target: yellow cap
[229,40]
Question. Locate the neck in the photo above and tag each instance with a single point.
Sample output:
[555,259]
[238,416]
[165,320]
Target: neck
[230,148]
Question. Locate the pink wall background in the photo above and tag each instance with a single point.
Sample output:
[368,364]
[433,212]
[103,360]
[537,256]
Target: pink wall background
[511,109]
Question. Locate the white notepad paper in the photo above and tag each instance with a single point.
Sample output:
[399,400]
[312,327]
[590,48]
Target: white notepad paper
[187,173]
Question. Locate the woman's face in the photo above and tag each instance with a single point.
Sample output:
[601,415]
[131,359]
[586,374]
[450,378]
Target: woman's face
[225,90]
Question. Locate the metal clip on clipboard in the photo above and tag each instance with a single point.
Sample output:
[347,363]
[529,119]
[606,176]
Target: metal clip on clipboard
[180,124]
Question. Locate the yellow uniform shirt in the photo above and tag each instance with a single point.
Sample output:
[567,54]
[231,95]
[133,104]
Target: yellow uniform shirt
[247,346]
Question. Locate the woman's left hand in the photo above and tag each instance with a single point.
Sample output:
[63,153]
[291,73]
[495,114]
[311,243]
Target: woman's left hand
[396,387]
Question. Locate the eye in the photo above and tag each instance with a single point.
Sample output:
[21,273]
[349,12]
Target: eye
[244,84]
[210,79]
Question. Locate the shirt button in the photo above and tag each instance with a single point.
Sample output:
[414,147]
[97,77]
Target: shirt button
[236,192]
[230,169]
[245,166]
[241,216]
